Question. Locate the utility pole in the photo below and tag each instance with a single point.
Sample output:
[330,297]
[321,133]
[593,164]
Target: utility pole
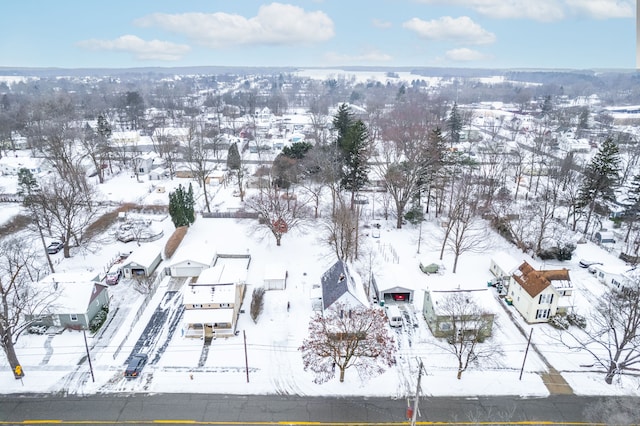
[414,415]
[84,333]
[246,359]
[525,353]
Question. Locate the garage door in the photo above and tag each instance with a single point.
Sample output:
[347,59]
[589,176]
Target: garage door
[186,271]
[398,297]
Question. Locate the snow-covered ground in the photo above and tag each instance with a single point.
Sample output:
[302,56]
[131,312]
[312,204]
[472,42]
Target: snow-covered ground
[176,364]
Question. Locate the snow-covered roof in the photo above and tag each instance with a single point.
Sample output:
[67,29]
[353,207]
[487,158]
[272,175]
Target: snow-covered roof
[201,294]
[144,255]
[70,296]
[197,251]
[505,262]
[482,297]
[226,271]
[393,275]
[274,271]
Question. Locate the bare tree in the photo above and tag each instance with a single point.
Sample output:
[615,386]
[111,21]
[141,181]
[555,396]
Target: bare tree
[341,232]
[344,337]
[18,298]
[198,156]
[612,334]
[143,284]
[279,212]
[165,144]
[469,328]
[66,207]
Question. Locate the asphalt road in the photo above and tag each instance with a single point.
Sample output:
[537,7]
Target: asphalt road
[142,409]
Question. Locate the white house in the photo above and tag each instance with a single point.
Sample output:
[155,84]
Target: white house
[613,276]
[143,261]
[439,319]
[533,294]
[503,265]
[11,165]
[213,302]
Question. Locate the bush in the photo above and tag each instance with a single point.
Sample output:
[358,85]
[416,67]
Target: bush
[174,241]
[99,319]
[577,320]
[563,252]
[559,322]
[257,303]
[415,215]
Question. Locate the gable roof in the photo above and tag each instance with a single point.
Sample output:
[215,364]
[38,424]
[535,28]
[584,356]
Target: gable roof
[70,297]
[338,281]
[535,282]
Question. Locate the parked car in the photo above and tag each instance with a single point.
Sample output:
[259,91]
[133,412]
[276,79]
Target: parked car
[136,364]
[113,277]
[38,329]
[55,247]
[399,297]
[586,263]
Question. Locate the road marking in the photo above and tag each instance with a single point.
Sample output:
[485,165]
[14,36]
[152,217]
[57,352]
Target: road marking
[293,423]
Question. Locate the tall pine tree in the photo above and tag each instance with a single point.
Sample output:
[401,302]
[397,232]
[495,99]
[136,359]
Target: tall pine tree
[181,206]
[454,124]
[601,178]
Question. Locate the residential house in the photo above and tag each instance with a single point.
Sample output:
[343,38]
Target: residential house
[615,277]
[144,163]
[75,299]
[341,284]
[212,303]
[438,315]
[143,261]
[502,266]
[10,165]
[536,294]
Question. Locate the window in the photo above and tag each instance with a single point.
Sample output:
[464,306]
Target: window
[197,306]
[545,298]
[445,326]
[542,313]
[74,317]
[225,305]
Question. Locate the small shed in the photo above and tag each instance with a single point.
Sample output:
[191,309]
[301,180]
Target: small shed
[143,261]
[158,173]
[275,277]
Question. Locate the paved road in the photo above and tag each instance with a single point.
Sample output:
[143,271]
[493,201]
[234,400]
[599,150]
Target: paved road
[142,409]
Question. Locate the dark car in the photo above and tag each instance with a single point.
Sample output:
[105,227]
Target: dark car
[55,247]
[136,364]
[586,263]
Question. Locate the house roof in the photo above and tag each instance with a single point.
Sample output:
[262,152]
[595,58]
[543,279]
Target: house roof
[203,294]
[482,297]
[145,255]
[339,280]
[535,282]
[395,276]
[225,271]
[71,297]
[199,252]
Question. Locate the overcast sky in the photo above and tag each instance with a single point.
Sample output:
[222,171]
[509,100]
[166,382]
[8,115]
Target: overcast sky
[460,33]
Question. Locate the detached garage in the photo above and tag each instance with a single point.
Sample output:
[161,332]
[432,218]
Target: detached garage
[142,262]
[190,260]
[395,283]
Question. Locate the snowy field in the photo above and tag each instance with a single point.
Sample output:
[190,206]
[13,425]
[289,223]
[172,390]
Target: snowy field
[176,364]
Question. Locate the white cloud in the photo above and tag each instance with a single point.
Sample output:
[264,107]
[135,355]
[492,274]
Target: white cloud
[603,9]
[459,30]
[275,23]
[379,23]
[373,56]
[538,10]
[465,54]
[142,49]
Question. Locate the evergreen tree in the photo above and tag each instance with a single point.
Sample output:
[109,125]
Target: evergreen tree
[342,121]
[355,173]
[454,124]
[547,106]
[181,206]
[600,179]
[234,162]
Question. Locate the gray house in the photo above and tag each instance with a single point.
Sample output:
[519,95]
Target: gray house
[75,301]
[341,284]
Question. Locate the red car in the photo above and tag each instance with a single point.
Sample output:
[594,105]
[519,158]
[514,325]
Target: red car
[399,297]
